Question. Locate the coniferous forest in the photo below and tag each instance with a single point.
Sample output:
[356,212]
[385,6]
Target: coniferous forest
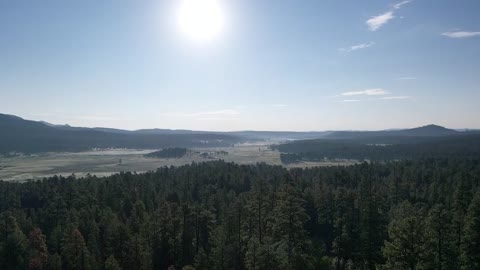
[422,214]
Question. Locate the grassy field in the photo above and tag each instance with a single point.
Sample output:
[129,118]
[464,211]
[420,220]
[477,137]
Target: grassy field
[102,163]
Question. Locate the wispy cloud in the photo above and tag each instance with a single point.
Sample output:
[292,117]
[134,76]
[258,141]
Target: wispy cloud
[366,92]
[351,100]
[357,47]
[399,5]
[279,105]
[395,97]
[375,22]
[461,34]
[406,78]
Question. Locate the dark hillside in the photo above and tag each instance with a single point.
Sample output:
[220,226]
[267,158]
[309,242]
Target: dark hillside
[19,135]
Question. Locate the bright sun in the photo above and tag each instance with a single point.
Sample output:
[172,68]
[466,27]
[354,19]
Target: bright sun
[201,20]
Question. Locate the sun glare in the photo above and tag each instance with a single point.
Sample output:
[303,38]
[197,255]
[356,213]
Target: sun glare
[201,20]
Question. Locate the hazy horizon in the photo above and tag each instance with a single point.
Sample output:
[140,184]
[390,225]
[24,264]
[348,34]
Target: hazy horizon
[270,65]
[243,130]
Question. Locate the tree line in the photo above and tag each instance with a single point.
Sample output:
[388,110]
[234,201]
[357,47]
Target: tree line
[381,148]
[422,214]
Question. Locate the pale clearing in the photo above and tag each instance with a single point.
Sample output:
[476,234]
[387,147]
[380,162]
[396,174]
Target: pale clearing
[107,162]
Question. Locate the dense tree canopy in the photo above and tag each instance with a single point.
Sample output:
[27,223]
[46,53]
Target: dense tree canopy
[381,148]
[420,214]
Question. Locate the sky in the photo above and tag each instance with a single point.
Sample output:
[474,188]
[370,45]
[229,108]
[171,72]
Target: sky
[274,65]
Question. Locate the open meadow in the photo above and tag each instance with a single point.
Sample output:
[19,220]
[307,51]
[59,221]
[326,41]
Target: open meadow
[107,162]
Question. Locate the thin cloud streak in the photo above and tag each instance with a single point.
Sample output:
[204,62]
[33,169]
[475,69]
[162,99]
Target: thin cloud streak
[461,34]
[367,92]
[357,47]
[399,5]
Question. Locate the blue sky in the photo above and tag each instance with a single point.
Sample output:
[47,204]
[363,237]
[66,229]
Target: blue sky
[277,65]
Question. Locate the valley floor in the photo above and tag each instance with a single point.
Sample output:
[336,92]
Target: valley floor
[103,163]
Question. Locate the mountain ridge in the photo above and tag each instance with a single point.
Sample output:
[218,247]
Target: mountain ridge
[21,135]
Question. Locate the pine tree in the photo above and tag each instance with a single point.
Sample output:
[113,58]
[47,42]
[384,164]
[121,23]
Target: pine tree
[407,246]
[442,238]
[291,238]
[201,260]
[252,254]
[138,256]
[55,239]
[112,264]
[37,251]
[345,230]
[187,236]
[75,252]
[257,207]
[54,262]
[218,251]
[371,225]
[462,199]
[471,244]
[93,245]
[13,243]
[107,227]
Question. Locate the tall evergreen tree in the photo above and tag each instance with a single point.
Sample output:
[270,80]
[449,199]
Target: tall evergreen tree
[442,238]
[13,243]
[75,252]
[345,227]
[112,264]
[37,250]
[407,246]
[371,225]
[471,244]
[291,238]
[462,199]
[54,262]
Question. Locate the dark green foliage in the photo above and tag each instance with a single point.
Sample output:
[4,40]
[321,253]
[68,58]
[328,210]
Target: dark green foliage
[441,235]
[216,215]
[54,262]
[37,252]
[471,243]
[112,264]
[13,243]
[381,149]
[407,246]
[75,253]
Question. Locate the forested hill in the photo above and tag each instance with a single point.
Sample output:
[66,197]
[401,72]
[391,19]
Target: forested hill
[464,145]
[425,131]
[19,135]
[216,215]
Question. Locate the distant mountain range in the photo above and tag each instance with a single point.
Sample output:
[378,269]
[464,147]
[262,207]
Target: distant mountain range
[425,131]
[20,135]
